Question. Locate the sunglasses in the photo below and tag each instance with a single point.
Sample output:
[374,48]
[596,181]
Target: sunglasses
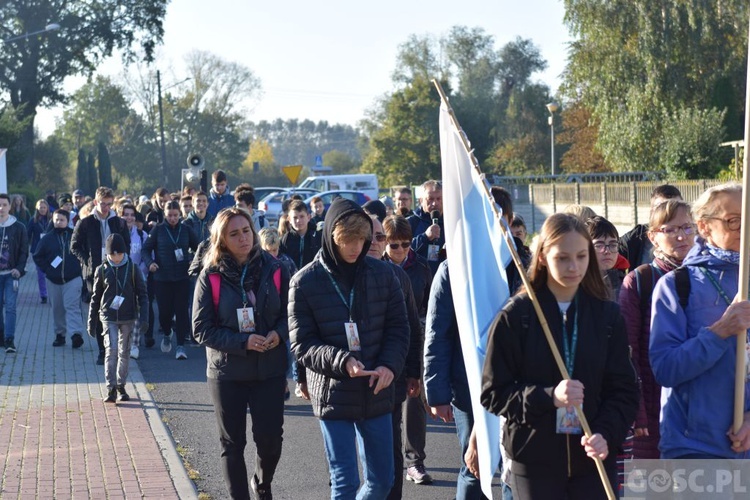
[403,244]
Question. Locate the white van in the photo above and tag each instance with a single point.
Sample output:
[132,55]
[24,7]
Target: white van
[366,183]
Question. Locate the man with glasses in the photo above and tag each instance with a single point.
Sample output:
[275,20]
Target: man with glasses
[88,244]
[635,245]
[403,202]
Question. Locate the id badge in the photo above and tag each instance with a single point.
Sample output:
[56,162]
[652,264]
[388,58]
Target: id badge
[567,421]
[352,336]
[432,252]
[56,262]
[178,254]
[117,302]
[246,319]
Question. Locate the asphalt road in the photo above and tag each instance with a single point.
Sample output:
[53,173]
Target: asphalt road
[179,388]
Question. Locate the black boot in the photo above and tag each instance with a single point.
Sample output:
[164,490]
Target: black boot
[123,395]
[111,396]
[59,341]
[76,340]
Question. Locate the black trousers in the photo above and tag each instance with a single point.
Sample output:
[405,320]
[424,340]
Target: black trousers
[398,454]
[415,430]
[555,484]
[173,298]
[265,399]
[151,288]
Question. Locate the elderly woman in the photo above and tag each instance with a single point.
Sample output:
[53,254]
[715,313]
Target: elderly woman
[240,315]
[693,333]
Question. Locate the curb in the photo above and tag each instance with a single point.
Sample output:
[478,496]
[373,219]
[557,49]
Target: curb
[185,487]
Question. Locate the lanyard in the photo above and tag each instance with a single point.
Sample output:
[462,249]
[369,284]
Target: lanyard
[124,277]
[302,252]
[716,285]
[63,239]
[242,286]
[348,305]
[569,346]
[179,231]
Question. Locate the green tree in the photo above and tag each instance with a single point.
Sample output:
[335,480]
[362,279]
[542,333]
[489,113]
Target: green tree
[51,165]
[82,173]
[11,130]
[105,165]
[633,61]
[340,162]
[34,68]
[91,172]
[689,147]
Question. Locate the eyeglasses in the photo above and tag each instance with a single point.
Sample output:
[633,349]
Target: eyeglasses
[674,231]
[732,224]
[601,247]
[379,237]
[403,244]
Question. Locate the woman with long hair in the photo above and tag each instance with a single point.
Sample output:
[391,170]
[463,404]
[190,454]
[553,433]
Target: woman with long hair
[37,226]
[672,233]
[550,458]
[240,316]
[18,209]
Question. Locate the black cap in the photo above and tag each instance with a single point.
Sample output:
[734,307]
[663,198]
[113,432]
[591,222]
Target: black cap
[376,208]
[115,244]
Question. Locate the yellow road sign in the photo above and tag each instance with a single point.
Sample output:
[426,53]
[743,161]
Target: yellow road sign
[292,172]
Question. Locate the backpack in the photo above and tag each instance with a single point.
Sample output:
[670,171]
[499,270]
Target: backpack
[644,282]
[215,280]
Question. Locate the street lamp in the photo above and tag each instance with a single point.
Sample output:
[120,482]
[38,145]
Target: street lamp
[49,27]
[552,108]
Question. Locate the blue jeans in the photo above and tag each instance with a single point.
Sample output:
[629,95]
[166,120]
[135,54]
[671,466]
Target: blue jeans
[468,487]
[375,439]
[8,301]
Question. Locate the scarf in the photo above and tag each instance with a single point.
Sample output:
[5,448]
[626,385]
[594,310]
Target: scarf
[232,270]
[726,255]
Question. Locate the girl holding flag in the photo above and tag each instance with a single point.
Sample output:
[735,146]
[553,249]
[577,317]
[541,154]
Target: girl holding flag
[551,458]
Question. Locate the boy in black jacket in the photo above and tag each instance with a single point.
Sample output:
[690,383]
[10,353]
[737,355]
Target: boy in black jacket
[119,295]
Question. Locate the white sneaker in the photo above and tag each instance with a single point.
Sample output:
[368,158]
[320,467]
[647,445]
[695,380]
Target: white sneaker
[134,352]
[166,343]
[180,353]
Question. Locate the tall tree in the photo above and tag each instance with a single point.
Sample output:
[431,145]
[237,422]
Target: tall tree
[105,165]
[634,61]
[91,172]
[33,69]
[82,173]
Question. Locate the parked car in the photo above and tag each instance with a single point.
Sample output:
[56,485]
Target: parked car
[328,197]
[271,204]
[262,192]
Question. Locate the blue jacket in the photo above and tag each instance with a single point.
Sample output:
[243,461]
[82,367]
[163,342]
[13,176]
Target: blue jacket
[419,223]
[693,361]
[218,202]
[445,379]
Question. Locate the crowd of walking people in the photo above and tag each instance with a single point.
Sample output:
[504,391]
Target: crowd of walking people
[354,304]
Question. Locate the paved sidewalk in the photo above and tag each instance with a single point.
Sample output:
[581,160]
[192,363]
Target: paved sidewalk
[58,439]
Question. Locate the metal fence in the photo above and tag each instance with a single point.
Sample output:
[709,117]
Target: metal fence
[625,204]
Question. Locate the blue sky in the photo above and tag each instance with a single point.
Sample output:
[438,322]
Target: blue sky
[330,60]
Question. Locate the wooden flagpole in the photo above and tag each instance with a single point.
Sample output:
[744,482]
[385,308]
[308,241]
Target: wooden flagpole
[740,374]
[522,272]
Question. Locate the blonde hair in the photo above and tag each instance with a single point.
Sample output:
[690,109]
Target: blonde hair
[581,211]
[269,238]
[705,206]
[217,247]
[352,227]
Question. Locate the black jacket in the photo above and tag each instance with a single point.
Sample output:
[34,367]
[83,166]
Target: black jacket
[290,245]
[14,246]
[55,244]
[421,279]
[201,227]
[316,325]
[87,243]
[519,366]
[419,222]
[110,281]
[227,358]
[413,365]
[163,241]
[632,244]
